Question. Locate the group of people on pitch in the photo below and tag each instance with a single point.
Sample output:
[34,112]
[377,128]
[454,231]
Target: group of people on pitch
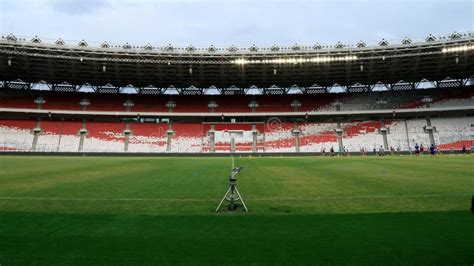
[419,149]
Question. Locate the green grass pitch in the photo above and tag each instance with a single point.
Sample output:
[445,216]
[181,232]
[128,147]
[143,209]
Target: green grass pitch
[303,211]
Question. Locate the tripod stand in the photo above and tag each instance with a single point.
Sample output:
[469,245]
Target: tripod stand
[232,195]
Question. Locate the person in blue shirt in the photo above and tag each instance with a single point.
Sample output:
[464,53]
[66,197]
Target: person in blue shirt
[417,150]
[432,150]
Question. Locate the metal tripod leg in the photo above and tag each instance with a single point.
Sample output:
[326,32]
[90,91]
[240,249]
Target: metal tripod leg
[241,199]
[225,195]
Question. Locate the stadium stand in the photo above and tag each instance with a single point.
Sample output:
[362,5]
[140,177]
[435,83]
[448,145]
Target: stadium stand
[231,104]
[287,99]
[193,137]
[104,137]
[16,135]
[147,137]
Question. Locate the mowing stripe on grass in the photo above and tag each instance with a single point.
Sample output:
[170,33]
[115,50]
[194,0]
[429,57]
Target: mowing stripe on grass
[255,199]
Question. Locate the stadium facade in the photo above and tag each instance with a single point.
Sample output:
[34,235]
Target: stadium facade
[75,97]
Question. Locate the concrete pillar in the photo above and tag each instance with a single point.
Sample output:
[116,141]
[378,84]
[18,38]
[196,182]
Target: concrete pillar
[254,137]
[169,135]
[82,134]
[339,133]
[407,136]
[296,133]
[126,133]
[430,130]
[36,132]
[60,135]
[212,138]
[232,144]
[384,131]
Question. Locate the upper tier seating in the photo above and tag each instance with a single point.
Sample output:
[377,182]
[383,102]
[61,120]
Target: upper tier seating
[403,100]
[230,104]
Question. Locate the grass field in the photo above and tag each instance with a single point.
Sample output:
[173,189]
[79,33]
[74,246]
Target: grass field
[303,210]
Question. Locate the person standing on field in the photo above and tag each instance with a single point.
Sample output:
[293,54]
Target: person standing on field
[432,150]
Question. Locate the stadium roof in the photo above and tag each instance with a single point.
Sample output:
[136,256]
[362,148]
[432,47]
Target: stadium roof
[233,70]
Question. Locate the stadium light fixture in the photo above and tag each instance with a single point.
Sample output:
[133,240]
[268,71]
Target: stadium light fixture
[426,99]
[170,105]
[128,103]
[294,60]
[457,49]
[295,104]
[212,105]
[381,101]
[337,104]
[253,105]
[85,102]
[40,100]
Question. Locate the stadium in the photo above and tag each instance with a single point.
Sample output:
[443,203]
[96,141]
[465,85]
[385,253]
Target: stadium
[119,153]
[59,97]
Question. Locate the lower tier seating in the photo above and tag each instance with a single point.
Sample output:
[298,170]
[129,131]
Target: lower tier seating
[273,136]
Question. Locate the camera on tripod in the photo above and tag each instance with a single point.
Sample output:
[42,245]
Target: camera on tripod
[232,195]
[233,174]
